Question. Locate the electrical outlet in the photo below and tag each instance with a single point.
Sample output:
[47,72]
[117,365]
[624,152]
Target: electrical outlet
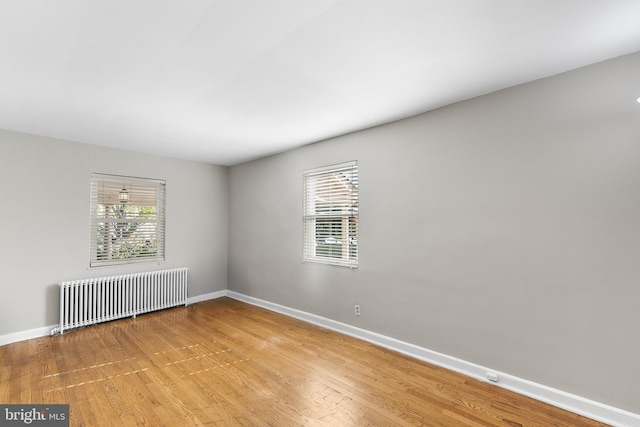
[356,310]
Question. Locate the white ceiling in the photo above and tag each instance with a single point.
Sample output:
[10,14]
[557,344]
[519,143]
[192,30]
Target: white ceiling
[226,81]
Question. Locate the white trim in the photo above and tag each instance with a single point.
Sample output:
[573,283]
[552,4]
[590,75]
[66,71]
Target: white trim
[26,335]
[318,184]
[47,330]
[570,402]
[206,297]
[332,168]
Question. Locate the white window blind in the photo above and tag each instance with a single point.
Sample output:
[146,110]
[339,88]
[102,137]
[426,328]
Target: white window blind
[127,219]
[331,215]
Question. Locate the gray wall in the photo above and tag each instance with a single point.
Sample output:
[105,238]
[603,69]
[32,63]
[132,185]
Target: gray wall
[504,230]
[44,219]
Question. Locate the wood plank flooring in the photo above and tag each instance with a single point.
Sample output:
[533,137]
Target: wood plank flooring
[226,363]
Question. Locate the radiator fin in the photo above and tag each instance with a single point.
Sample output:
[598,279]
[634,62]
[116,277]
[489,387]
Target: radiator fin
[90,301]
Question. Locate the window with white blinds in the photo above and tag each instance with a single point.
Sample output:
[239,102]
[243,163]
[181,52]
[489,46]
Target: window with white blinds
[127,219]
[331,215]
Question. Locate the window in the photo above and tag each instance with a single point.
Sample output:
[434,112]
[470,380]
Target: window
[127,219]
[331,215]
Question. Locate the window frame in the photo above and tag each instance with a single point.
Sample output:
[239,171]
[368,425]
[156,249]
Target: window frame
[146,206]
[336,223]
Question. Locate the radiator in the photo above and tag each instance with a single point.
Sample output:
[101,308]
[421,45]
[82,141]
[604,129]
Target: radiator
[90,301]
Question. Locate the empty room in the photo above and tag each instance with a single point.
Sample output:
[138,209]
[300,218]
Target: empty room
[322,212]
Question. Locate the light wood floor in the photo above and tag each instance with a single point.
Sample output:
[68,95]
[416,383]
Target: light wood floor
[223,362]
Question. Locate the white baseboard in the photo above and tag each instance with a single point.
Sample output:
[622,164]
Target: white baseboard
[26,335]
[205,297]
[46,331]
[573,403]
[570,402]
